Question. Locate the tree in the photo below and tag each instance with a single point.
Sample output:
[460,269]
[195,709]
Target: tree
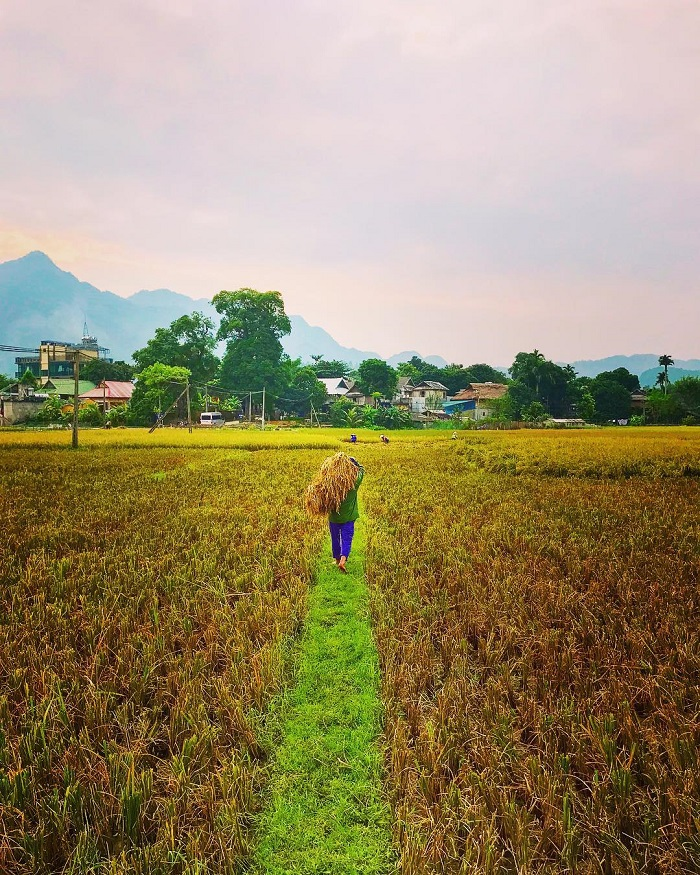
[406,369]
[343,411]
[188,342]
[612,400]
[482,373]
[586,406]
[662,380]
[548,383]
[157,387]
[623,377]
[303,389]
[329,367]
[4,381]
[433,401]
[90,414]
[666,361]
[686,395]
[28,380]
[51,410]
[251,324]
[535,412]
[97,370]
[375,375]
[392,417]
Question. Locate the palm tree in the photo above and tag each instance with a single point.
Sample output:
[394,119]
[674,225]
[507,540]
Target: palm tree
[661,380]
[665,361]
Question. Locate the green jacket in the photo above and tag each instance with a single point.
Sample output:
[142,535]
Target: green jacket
[348,510]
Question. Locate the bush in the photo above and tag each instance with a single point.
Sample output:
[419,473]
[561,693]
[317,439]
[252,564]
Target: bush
[90,414]
[51,411]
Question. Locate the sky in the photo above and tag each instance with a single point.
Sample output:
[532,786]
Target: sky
[468,178]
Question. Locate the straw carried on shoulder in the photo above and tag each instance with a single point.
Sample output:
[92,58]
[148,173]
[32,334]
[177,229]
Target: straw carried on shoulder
[336,478]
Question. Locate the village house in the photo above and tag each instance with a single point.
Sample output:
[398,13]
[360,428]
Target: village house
[344,387]
[428,395]
[109,394]
[404,387]
[477,399]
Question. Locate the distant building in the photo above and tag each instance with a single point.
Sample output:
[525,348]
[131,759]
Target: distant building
[56,357]
[481,397]
[109,394]
[426,395]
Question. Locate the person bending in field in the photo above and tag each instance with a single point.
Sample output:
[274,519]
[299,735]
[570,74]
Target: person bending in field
[334,493]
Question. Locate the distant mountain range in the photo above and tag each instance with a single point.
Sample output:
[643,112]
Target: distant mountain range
[39,301]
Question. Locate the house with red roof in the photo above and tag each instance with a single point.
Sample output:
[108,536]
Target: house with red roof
[109,394]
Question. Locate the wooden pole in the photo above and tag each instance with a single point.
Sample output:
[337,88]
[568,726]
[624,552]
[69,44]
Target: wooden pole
[263,411]
[76,393]
[189,411]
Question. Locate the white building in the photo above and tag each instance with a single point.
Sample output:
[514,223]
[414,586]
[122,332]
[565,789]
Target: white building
[427,395]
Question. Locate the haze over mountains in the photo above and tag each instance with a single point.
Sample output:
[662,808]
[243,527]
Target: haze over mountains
[39,301]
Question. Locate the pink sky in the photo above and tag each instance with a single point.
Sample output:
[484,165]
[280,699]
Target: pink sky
[469,179]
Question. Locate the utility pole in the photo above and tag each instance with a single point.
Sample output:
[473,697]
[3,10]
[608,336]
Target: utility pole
[263,411]
[189,412]
[76,393]
[250,406]
[206,398]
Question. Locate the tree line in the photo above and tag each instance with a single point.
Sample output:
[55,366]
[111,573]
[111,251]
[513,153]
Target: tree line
[252,324]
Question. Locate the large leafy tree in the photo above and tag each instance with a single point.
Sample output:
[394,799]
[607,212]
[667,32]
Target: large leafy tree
[97,370]
[686,395]
[623,377]
[252,324]
[302,389]
[375,375]
[188,342]
[612,399]
[544,381]
[157,387]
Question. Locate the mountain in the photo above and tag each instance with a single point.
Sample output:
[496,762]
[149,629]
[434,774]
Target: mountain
[648,378]
[39,301]
[635,364]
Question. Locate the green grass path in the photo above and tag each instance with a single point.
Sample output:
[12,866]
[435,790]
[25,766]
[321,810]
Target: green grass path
[325,812]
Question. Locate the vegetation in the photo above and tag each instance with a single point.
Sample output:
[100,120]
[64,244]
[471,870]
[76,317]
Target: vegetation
[147,599]
[539,664]
[97,370]
[533,595]
[252,324]
[188,342]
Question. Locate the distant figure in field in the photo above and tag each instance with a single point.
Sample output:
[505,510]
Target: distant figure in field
[383,438]
[353,438]
[454,435]
[334,492]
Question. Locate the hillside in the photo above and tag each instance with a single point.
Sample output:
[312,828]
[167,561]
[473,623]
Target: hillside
[39,301]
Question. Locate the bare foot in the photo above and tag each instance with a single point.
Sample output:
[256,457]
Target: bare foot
[341,564]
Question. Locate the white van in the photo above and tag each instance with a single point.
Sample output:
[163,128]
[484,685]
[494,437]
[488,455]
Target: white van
[213,419]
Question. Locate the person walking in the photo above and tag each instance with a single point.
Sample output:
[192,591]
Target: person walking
[334,493]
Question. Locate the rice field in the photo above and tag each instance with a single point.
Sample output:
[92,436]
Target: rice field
[535,602]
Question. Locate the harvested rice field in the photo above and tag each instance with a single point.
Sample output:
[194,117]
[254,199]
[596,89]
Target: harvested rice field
[526,698]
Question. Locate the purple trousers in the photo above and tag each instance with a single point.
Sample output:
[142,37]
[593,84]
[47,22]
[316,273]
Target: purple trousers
[341,538]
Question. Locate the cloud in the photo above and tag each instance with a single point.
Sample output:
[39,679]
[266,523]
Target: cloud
[406,156]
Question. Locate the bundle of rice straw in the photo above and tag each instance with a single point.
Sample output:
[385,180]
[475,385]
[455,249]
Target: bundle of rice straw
[332,484]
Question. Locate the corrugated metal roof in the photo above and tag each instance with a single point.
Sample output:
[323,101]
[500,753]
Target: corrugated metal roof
[66,386]
[113,389]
